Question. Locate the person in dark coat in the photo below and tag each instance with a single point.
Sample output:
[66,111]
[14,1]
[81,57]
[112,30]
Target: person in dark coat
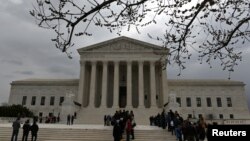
[72,119]
[68,119]
[34,129]
[16,125]
[202,125]
[26,130]
[105,120]
[117,131]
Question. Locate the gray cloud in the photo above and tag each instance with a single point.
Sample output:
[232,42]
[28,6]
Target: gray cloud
[25,72]
[13,62]
[62,70]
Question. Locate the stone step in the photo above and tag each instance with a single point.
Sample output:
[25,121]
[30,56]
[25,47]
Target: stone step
[97,114]
[56,134]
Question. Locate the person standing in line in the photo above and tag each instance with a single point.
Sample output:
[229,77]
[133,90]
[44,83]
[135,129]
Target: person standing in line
[75,115]
[26,130]
[117,131]
[34,129]
[72,119]
[16,125]
[105,120]
[68,119]
[128,128]
[202,125]
[132,129]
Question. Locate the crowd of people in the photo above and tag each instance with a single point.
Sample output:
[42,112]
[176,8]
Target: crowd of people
[70,119]
[123,122]
[27,127]
[184,130]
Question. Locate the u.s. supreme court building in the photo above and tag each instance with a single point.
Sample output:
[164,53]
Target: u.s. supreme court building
[125,73]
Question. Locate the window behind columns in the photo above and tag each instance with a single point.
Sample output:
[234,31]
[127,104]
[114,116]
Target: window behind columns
[98,94]
[110,86]
[135,84]
[146,78]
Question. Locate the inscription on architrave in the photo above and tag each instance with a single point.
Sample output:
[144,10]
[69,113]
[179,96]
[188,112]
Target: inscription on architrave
[126,46]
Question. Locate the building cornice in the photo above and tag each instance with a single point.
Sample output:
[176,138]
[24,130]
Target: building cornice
[47,82]
[204,82]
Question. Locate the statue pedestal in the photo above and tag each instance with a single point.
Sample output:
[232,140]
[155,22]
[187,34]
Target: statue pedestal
[68,108]
[172,104]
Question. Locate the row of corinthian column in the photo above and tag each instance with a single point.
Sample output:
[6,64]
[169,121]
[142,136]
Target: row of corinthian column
[104,85]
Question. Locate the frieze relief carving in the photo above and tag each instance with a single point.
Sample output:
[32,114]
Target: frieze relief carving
[119,56]
[108,55]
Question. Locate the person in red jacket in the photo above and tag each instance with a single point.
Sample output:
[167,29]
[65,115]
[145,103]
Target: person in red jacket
[128,128]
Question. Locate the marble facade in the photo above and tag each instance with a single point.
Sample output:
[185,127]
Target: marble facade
[124,73]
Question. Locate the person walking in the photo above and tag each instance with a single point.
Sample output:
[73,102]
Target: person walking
[16,125]
[34,129]
[26,130]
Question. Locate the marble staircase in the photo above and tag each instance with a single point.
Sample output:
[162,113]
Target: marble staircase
[96,115]
[77,134]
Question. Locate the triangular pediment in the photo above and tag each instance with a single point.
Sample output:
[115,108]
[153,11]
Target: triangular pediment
[121,44]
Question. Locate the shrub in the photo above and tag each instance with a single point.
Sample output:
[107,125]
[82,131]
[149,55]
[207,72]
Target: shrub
[15,111]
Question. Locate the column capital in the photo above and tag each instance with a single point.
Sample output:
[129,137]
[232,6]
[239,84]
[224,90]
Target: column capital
[152,61]
[129,62]
[93,62]
[105,61]
[141,62]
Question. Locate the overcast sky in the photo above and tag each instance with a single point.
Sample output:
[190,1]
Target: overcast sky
[26,51]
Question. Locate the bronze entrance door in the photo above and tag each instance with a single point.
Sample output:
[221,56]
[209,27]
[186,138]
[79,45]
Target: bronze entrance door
[122,97]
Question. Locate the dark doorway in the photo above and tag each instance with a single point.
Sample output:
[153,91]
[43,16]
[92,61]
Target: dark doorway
[122,97]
